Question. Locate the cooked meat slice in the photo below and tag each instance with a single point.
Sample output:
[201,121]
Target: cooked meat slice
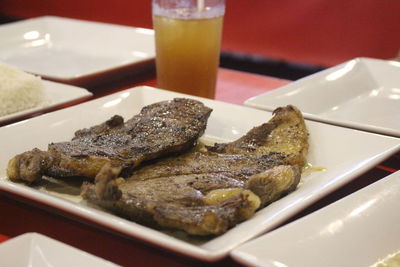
[161,128]
[199,162]
[285,134]
[199,203]
[183,208]
[207,192]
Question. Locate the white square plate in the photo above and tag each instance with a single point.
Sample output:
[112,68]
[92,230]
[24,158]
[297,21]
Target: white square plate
[358,230]
[65,49]
[345,153]
[36,250]
[58,94]
[362,93]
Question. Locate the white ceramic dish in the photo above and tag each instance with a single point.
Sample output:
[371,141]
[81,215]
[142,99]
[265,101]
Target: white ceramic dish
[362,93]
[359,230]
[58,94]
[345,153]
[64,49]
[36,250]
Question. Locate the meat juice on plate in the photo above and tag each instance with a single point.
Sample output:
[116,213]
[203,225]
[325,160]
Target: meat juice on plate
[392,260]
[187,48]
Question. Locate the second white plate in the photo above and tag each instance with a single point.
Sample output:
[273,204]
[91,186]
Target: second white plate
[36,250]
[58,94]
[362,93]
[359,230]
[65,49]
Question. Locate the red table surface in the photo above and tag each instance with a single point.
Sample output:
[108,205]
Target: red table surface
[232,86]
[19,215]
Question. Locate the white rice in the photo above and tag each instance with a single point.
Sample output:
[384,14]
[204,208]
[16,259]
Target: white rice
[19,90]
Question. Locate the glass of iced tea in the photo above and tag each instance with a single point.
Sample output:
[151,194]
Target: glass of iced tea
[188,41]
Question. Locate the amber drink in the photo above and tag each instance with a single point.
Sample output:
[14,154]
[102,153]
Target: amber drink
[188,40]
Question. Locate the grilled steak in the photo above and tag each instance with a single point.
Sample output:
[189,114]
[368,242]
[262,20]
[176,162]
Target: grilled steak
[207,191]
[161,128]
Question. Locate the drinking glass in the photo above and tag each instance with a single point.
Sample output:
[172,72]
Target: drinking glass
[188,41]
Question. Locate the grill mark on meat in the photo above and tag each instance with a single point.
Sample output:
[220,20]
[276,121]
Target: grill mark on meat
[208,192]
[198,162]
[160,129]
